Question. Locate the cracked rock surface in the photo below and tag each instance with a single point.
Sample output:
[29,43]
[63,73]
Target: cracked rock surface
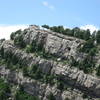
[63,47]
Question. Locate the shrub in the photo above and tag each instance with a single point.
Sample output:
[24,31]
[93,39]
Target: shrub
[45,26]
[51,97]
[25,71]
[85,96]
[87,64]
[60,85]
[98,71]
[73,62]
[29,49]
[38,74]
[34,68]
[88,45]
[15,60]
[67,99]
[93,51]
[21,95]
[35,72]
[19,41]
[2,52]
[4,90]
[98,37]
[13,34]
[49,79]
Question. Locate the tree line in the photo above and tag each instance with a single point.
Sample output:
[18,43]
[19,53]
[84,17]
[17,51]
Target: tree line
[76,32]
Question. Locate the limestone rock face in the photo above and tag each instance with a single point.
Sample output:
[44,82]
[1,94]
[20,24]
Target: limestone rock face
[78,79]
[71,76]
[54,43]
[61,47]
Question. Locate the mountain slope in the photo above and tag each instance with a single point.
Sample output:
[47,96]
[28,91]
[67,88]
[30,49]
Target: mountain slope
[42,64]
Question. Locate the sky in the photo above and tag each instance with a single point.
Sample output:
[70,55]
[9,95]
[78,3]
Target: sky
[69,13]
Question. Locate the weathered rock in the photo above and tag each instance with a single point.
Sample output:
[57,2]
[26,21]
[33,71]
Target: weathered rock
[78,79]
[36,88]
[71,76]
[54,43]
[59,46]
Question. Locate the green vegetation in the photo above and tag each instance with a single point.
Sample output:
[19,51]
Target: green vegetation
[18,38]
[87,65]
[2,52]
[29,48]
[34,47]
[85,96]
[14,63]
[60,85]
[19,41]
[25,71]
[89,47]
[35,73]
[67,99]
[49,79]
[46,26]
[39,50]
[73,62]
[21,95]
[75,32]
[4,90]
[98,37]
[13,34]
[51,97]
[98,71]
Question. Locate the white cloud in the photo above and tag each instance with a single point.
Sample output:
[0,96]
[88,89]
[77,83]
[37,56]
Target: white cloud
[46,4]
[92,28]
[6,30]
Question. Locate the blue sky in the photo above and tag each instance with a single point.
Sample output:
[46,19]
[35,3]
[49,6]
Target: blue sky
[69,13]
[17,14]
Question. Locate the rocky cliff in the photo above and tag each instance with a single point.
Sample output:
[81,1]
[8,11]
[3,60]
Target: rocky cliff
[41,62]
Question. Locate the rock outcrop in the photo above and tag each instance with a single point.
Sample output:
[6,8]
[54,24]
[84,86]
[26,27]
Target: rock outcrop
[56,44]
[59,46]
